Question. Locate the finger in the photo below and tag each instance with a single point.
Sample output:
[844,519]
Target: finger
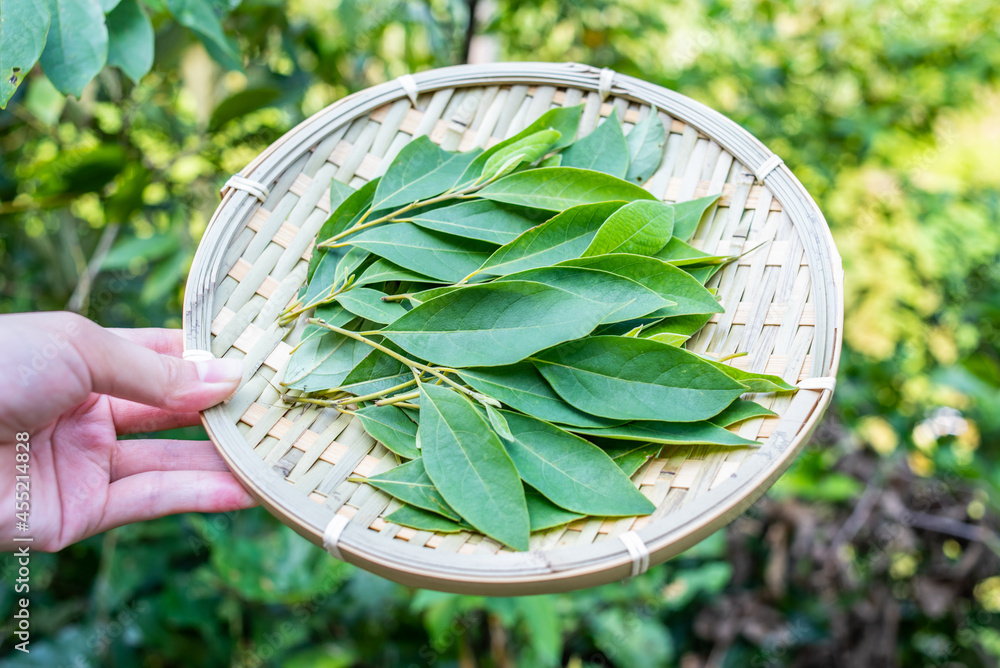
[93,359]
[158,339]
[132,418]
[143,455]
[153,494]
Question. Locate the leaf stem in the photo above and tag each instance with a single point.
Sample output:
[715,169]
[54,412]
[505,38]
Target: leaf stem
[291,313]
[465,193]
[467,278]
[396,356]
[376,395]
[398,398]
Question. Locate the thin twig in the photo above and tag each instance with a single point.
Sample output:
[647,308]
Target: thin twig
[396,356]
[398,398]
[81,295]
[377,395]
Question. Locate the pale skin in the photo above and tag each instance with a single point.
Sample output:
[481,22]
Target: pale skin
[72,388]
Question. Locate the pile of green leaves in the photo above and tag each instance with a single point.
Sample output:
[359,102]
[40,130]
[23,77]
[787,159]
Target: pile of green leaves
[510,322]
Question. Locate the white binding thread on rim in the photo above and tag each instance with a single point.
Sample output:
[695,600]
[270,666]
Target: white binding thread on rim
[819,383]
[331,536]
[409,86]
[768,166]
[637,550]
[606,81]
[258,190]
[196,355]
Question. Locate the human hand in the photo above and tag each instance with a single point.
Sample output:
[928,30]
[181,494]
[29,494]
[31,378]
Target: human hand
[73,387]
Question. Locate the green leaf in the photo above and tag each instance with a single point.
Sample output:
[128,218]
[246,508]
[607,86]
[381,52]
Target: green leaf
[563,237]
[324,276]
[382,271]
[418,298]
[498,422]
[645,148]
[333,314]
[669,433]
[679,325]
[85,169]
[242,103]
[526,150]
[348,265]
[558,188]
[571,472]
[627,298]
[340,191]
[630,457]
[634,640]
[741,410]
[565,121]
[107,5]
[544,514]
[471,468]
[476,219]
[322,362]
[130,40]
[390,426]
[689,296]
[76,48]
[420,171]
[23,26]
[669,338]
[409,483]
[688,215]
[130,249]
[347,205]
[199,17]
[129,187]
[495,323]
[421,520]
[681,254]
[165,277]
[753,382]
[640,228]
[439,256]
[552,161]
[46,104]
[603,150]
[703,274]
[522,387]
[375,373]
[369,305]
[638,379]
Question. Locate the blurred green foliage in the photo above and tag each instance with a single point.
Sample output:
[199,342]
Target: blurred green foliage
[886,112]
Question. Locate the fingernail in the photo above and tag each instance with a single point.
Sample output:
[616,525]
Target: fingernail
[220,370]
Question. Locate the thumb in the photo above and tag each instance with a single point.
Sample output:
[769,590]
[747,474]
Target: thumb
[89,358]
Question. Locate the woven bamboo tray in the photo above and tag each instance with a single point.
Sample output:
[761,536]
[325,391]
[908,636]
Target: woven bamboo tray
[784,306]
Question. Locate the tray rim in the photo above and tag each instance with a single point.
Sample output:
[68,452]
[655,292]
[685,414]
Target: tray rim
[559,569]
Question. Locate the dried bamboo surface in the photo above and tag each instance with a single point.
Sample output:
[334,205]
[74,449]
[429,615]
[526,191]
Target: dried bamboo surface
[783,306]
